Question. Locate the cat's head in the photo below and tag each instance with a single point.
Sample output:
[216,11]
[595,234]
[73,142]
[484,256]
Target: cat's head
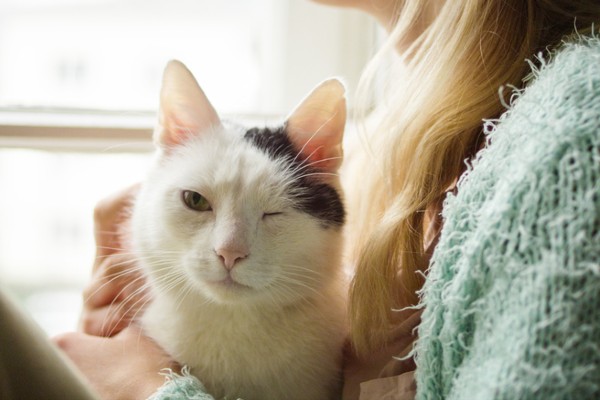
[235,214]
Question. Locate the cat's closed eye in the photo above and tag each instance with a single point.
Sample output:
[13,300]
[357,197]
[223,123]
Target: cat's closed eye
[195,201]
[271,214]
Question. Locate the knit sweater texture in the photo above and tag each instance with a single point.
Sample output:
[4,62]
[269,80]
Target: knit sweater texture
[512,298]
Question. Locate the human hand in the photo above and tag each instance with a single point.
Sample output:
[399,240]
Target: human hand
[123,367]
[117,291]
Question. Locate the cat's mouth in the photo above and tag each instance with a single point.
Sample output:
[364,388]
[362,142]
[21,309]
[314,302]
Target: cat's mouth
[229,284]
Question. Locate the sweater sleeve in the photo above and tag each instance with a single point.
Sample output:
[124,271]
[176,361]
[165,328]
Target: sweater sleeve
[181,387]
[512,300]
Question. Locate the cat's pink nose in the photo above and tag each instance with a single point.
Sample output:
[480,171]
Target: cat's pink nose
[229,257]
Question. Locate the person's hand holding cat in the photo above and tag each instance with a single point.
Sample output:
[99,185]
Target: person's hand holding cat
[116,291]
[123,367]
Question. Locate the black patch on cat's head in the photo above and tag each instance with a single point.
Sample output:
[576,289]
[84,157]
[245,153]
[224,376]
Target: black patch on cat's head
[310,194]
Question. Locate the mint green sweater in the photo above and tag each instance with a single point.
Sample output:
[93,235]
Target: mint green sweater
[512,298]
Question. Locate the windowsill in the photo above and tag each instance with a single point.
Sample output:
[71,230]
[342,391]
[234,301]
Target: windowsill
[74,129]
[67,129]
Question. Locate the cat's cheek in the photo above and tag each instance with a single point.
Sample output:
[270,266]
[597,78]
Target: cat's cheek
[189,225]
[199,284]
[198,268]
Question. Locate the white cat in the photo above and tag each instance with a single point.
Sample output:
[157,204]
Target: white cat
[239,231]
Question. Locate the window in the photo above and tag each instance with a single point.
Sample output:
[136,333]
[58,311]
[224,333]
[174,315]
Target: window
[79,82]
[250,56]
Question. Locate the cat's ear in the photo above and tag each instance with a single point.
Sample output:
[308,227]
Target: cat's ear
[316,126]
[184,108]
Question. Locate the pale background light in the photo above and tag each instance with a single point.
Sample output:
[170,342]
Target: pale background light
[76,65]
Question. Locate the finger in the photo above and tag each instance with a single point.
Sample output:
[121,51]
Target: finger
[116,276]
[106,321]
[108,214]
[132,330]
[122,308]
[68,341]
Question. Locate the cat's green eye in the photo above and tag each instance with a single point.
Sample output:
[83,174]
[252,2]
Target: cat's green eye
[195,201]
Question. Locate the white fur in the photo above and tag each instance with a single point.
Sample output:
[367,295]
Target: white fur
[277,332]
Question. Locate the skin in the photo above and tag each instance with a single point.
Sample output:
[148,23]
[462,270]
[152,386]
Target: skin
[122,367]
[384,11]
[387,12]
[118,361]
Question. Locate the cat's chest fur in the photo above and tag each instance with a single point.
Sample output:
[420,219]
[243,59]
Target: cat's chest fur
[287,353]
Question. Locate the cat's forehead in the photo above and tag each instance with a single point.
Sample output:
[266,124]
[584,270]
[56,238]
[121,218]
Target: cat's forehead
[226,158]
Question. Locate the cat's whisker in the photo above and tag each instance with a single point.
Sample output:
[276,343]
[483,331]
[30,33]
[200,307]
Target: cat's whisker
[149,259]
[146,287]
[111,248]
[298,173]
[317,131]
[322,160]
[144,299]
[117,310]
[182,294]
[294,169]
[107,232]
[302,269]
[115,277]
[171,281]
[285,292]
[301,151]
[124,302]
[278,150]
[309,156]
[312,164]
[317,174]
[301,276]
[131,269]
[277,292]
[119,251]
[140,307]
[275,297]
[124,261]
[288,281]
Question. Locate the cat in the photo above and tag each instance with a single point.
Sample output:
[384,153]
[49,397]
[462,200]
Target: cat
[239,231]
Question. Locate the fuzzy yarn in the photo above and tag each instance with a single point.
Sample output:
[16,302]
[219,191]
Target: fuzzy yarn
[182,386]
[512,298]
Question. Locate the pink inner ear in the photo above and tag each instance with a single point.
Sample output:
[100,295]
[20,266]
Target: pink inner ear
[177,136]
[176,131]
[321,156]
[318,136]
[180,122]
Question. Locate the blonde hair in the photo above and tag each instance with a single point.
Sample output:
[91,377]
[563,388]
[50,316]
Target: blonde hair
[432,121]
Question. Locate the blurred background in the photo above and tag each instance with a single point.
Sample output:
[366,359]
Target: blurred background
[79,83]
